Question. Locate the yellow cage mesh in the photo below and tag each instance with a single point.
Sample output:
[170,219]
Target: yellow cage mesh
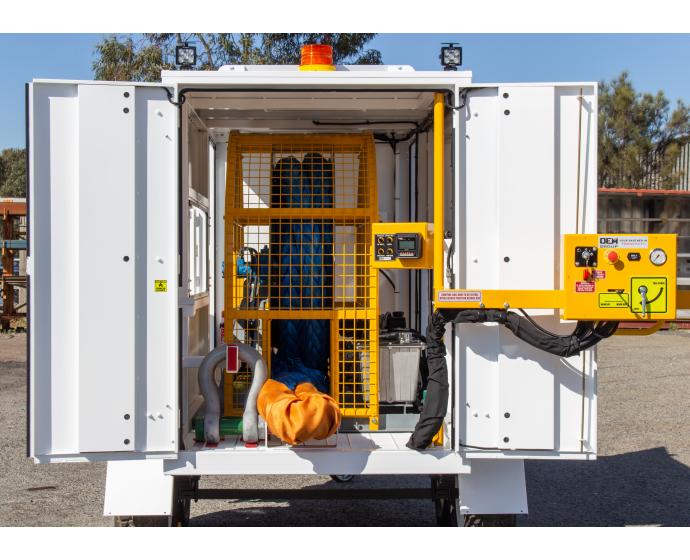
[273,229]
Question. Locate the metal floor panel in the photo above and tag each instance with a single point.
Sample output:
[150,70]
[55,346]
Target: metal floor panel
[344,453]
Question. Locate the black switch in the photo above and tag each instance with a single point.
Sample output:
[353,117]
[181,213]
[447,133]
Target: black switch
[634,257]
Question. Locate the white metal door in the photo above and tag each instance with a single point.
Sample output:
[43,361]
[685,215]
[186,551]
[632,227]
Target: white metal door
[526,173]
[103,271]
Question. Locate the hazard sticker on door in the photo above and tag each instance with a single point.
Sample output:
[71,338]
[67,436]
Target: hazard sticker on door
[459,296]
[160,285]
[585,287]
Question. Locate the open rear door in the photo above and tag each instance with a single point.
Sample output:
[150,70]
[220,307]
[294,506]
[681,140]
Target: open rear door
[527,157]
[103,271]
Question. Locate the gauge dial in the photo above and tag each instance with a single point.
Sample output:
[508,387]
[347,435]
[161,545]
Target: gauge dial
[658,257]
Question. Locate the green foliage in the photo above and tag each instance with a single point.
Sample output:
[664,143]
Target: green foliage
[640,137]
[13,173]
[123,59]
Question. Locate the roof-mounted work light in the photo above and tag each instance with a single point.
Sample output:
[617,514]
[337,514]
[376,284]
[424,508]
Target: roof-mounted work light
[451,56]
[185,56]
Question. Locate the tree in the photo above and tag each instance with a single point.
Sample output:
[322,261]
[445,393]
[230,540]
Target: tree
[13,173]
[640,137]
[124,59]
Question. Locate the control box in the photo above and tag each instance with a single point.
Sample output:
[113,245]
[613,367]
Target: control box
[619,277]
[402,245]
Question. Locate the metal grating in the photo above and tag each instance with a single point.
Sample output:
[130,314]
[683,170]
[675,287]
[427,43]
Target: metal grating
[298,220]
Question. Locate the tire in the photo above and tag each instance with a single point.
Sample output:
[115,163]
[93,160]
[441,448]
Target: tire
[181,505]
[494,520]
[343,478]
[445,513]
[445,508]
[142,521]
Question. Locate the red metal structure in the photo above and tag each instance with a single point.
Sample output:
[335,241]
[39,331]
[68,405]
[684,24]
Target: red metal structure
[13,215]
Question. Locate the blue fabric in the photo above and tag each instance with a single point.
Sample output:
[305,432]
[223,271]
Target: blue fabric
[302,262]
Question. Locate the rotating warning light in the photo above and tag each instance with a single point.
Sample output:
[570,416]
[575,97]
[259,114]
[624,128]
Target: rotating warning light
[317,58]
[185,55]
[451,56]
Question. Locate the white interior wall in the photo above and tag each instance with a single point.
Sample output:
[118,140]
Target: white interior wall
[197,325]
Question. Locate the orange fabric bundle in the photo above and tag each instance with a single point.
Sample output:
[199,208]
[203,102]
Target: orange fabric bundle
[300,415]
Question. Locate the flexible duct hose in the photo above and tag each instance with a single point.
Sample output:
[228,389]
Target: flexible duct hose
[211,392]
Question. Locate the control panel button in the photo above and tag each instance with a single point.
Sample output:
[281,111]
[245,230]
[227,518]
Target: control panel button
[612,256]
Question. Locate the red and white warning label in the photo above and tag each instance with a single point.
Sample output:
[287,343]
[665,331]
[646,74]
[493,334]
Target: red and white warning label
[599,274]
[584,287]
[459,296]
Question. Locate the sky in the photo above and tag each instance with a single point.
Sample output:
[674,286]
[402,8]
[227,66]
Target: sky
[655,62]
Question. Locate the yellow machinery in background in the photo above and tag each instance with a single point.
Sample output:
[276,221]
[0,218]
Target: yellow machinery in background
[268,279]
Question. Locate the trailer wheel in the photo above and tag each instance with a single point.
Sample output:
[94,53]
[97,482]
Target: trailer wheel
[343,478]
[141,521]
[445,508]
[444,512]
[495,520]
[182,505]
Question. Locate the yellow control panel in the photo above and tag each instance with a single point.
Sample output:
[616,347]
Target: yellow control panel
[619,277]
[402,245]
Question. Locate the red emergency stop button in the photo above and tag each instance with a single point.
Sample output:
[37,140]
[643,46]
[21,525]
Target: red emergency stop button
[612,256]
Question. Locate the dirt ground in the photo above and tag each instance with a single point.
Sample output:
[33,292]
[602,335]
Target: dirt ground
[642,476]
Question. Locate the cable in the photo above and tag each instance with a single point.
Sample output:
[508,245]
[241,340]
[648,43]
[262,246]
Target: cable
[463,96]
[537,325]
[385,275]
[170,98]
[479,447]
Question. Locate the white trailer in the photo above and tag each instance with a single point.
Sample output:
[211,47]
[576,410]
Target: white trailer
[126,267]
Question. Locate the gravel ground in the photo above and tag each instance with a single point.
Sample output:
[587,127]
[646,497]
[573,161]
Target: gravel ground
[642,476]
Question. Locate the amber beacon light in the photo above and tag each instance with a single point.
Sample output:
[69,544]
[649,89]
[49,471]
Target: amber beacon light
[317,58]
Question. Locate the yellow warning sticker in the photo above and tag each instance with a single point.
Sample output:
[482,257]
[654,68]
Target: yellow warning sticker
[613,299]
[160,285]
[649,294]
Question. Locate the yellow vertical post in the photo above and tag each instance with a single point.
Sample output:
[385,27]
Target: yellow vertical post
[439,125]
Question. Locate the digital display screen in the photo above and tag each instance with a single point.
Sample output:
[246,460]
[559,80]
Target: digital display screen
[407,244]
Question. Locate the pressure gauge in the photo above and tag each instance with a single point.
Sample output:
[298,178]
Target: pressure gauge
[657,256]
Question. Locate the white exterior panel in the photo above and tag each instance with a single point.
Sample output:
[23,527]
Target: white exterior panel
[516,176]
[103,226]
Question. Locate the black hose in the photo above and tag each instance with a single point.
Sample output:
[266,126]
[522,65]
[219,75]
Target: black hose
[585,335]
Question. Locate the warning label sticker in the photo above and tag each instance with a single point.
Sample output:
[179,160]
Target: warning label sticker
[599,274]
[623,242]
[584,287]
[613,300]
[649,294]
[160,285]
[459,296]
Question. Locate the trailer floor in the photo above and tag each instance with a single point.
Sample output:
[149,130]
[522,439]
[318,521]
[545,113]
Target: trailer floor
[642,476]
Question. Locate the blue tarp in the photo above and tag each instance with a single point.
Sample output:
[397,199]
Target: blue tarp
[302,270]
